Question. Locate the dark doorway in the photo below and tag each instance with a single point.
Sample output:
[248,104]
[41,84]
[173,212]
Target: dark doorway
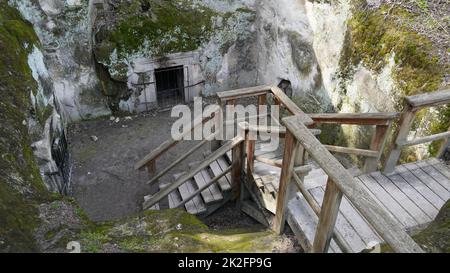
[286,86]
[169,86]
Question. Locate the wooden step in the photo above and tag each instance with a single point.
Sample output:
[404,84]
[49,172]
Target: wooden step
[350,224]
[212,193]
[174,197]
[196,205]
[224,182]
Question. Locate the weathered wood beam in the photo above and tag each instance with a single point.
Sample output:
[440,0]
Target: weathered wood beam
[385,225]
[429,99]
[353,151]
[327,219]
[354,118]
[377,144]
[243,92]
[177,161]
[425,139]
[204,187]
[290,150]
[205,163]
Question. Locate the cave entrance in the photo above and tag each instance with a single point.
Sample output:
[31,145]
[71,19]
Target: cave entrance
[169,86]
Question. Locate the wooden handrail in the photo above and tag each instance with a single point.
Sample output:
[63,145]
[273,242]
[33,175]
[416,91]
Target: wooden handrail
[176,162]
[243,93]
[165,146]
[355,118]
[261,91]
[182,179]
[424,139]
[429,99]
[413,105]
[353,151]
[385,225]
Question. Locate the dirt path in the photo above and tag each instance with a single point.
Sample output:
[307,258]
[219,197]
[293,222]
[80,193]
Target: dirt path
[103,177]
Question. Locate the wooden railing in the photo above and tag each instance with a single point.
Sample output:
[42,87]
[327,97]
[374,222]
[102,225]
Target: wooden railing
[382,123]
[149,160]
[236,169]
[412,105]
[340,182]
[299,140]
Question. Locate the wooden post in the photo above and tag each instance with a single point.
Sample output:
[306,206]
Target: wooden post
[216,142]
[404,125]
[444,145]
[289,155]
[230,128]
[250,147]
[327,219]
[377,144]
[237,166]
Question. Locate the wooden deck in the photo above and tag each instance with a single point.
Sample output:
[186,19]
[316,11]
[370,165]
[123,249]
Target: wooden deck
[412,195]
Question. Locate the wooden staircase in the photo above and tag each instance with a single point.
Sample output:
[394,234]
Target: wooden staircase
[329,208]
[210,199]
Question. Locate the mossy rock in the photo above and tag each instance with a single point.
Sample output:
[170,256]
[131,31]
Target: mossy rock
[21,186]
[373,37]
[171,230]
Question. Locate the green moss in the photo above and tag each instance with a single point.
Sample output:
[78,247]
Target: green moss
[167,27]
[372,38]
[21,186]
[171,230]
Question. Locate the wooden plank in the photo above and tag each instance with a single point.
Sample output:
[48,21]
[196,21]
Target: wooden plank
[276,163]
[400,134]
[436,174]
[243,92]
[208,160]
[223,182]
[215,191]
[430,178]
[357,221]
[384,197]
[416,183]
[176,162]
[237,167]
[259,183]
[342,226]
[429,99]
[328,215]
[401,198]
[303,223]
[354,118]
[204,187]
[354,151]
[174,199]
[268,182]
[163,147]
[207,195]
[425,205]
[290,150]
[253,212]
[439,166]
[424,139]
[196,205]
[377,144]
[223,164]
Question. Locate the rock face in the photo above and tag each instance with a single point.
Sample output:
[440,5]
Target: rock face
[24,111]
[242,44]
[64,29]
